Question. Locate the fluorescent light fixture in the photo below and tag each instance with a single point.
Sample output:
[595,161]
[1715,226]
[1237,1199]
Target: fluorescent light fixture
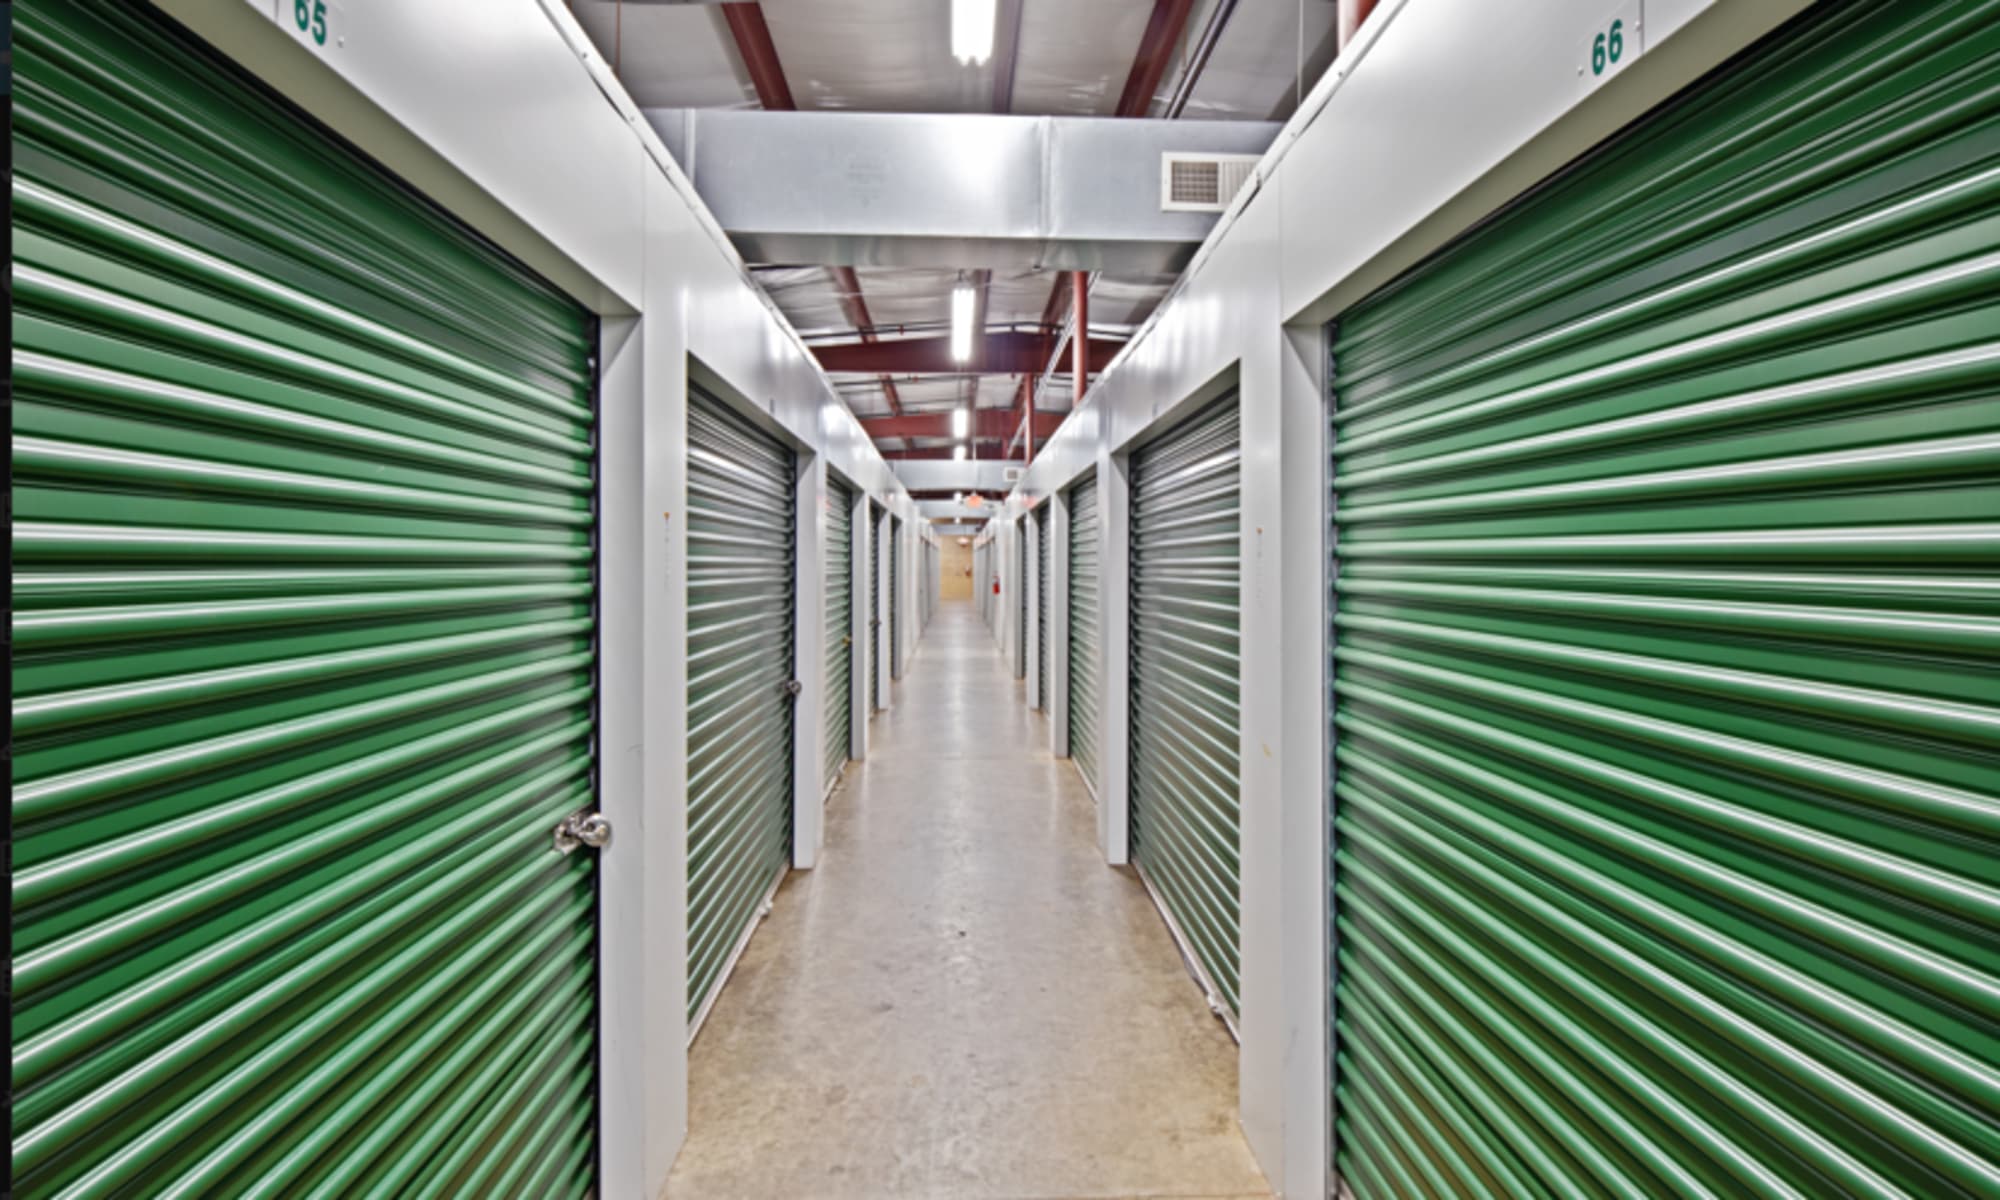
[972,30]
[961,423]
[958,451]
[962,304]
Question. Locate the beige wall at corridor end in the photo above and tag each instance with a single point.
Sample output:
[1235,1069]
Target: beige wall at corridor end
[957,570]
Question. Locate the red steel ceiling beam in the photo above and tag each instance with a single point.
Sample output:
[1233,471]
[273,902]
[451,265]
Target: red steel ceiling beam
[848,284]
[1156,51]
[1004,353]
[760,55]
[988,425]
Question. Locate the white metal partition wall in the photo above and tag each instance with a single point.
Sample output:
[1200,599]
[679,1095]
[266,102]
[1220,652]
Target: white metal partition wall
[1186,714]
[741,686]
[1084,651]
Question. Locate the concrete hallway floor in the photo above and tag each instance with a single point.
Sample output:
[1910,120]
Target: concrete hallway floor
[962,1000]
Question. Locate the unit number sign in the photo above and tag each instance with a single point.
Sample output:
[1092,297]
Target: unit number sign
[312,20]
[1610,44]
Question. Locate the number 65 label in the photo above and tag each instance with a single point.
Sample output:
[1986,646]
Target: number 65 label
[1610,45]
[312,20]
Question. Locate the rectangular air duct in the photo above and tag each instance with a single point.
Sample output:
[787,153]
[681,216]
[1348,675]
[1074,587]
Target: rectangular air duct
[956,190]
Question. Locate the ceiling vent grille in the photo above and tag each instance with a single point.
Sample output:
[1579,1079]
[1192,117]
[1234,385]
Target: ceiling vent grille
[1202,182]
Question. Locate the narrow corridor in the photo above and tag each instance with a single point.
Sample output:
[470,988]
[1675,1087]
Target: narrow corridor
[962,1000]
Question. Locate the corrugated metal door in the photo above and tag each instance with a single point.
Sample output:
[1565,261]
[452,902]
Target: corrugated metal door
[875,524]
[741,563]
[1668,765]
[1042,607]
[1083,647]
[839,628]
[1186,609]
[303,656]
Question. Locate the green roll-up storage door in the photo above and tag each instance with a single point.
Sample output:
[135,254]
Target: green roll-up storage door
[1042,607]
[741,563]
[1186,722]
[875,524]
[1668,764]
[1083,644]
[303,655]
[839,628]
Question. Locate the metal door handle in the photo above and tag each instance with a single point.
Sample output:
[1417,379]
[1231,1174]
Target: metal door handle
[792,687]
[847,641]
[591,829]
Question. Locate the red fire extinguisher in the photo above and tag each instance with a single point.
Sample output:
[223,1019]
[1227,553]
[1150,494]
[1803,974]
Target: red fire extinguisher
[996,585]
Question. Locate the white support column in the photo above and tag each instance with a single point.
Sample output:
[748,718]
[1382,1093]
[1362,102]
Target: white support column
[809,661]
[1303,826]
[621,790]
[1114,665]
[1059,624]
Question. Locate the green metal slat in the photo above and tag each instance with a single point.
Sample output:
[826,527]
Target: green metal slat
[1083,631]
[1186,711]
[1665,629]
[742,556]
[304,662]
[839,628]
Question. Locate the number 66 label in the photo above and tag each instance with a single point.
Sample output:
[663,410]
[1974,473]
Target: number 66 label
[314,21]
[1611,44]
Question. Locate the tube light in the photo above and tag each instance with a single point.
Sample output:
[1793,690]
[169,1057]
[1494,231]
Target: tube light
[972,30]
[961,423]
[962,304]
[958,452]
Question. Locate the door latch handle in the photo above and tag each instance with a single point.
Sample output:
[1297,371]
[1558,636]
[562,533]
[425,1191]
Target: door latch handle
[792,687]
[592,829]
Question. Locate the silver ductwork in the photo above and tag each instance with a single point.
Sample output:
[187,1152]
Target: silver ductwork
[962,191]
